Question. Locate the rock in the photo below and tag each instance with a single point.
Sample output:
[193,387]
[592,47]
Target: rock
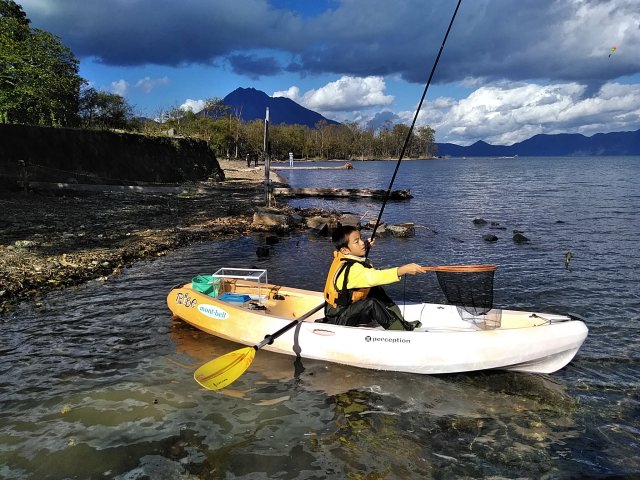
[262,251]
[269,219]
[519,238]
[322,230]
[24,243]
[272,240]
[349,219]
[490,238]
[479,221]
[383,230]
[296,219]
[402,230]
[317,222]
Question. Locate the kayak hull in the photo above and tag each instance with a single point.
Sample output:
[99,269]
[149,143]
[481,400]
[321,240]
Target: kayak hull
[445,343]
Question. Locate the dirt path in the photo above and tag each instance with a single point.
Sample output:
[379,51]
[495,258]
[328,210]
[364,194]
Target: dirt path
[52,240]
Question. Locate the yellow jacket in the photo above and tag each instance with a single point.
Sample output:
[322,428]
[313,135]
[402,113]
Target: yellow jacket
[361,277]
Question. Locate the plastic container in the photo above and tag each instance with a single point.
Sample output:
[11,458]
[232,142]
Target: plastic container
[235,297]
[206,284]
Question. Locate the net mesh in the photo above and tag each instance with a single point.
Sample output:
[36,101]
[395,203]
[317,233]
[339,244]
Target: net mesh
[471,290]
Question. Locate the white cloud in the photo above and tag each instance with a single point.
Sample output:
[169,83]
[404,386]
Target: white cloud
[119,87]
[506,113]
[292,93]
[347,93]
[147,83]
[193,105]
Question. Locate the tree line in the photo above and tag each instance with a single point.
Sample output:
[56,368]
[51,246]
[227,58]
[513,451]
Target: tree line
[40,85]
[229,136]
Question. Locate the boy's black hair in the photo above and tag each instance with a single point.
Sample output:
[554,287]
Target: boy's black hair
[340,236]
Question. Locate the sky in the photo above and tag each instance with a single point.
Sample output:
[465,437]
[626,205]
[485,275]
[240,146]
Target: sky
[510,69]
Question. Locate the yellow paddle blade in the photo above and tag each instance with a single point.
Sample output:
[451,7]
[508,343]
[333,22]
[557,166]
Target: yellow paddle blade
[223,371]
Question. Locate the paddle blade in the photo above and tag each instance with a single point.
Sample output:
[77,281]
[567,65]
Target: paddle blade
[223,371]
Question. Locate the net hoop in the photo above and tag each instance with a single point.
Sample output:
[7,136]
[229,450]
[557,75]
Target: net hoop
[461,268]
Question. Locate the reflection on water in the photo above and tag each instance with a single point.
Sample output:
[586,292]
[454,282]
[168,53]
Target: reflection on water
[98,382]
[384,424]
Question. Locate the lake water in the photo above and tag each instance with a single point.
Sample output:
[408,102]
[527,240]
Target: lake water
[97,382]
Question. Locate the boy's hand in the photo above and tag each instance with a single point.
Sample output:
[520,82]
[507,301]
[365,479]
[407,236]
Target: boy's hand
[369,243]
[409,268]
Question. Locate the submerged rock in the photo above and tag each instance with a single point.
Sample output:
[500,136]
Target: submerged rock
[402,230]
[490,238]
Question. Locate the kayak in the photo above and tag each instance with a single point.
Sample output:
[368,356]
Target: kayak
[245,309]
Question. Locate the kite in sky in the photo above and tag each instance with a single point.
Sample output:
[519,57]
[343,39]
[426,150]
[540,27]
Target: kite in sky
[613,49]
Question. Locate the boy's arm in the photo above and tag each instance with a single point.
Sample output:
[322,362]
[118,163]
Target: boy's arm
[361,277]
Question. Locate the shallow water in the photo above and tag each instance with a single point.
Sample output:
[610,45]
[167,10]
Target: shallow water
[97,383]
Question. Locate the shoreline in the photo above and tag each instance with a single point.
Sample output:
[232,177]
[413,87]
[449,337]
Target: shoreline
[52,240]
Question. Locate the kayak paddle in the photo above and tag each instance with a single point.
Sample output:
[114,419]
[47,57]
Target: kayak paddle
[223,371]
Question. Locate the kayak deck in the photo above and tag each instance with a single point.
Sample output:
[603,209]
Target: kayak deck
[447,341]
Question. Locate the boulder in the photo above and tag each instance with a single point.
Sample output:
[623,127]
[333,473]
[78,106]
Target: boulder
[268,218]
[519,238]
[402,230]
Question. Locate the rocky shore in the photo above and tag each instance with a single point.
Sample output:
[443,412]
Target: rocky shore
[50,240]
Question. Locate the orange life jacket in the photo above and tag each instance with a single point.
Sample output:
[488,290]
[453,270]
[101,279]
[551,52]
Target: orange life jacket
[342,296]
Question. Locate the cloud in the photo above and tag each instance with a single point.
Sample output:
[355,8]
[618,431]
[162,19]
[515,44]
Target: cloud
[506,113]
[347,93]
[557,40]
[119,87]
[147,84]
[253,66]
[193,105]
[382,119]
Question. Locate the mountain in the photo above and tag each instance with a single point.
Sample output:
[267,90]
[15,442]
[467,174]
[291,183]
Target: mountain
[564,144]
[251,104]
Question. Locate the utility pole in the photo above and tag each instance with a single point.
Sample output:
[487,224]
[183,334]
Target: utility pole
[267,160]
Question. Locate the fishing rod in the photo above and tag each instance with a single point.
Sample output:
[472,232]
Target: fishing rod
[415,118]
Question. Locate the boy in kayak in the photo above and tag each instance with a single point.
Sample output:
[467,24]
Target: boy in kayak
[353,293]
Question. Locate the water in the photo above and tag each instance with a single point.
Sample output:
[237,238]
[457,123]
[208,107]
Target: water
[97,383]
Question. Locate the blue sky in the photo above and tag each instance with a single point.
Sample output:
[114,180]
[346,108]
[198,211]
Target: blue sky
[510,69]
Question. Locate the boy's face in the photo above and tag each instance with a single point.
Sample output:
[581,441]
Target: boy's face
[355,246]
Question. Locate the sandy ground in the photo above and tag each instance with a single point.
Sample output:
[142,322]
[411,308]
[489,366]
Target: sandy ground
[49,240]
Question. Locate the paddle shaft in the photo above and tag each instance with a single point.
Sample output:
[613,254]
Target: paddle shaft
[268,339]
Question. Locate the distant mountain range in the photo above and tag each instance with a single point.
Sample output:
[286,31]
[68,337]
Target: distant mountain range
[251,104]
[560,145]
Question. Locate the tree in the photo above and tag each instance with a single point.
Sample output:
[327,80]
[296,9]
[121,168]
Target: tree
[427,141]
[10,9]
[104,110]
[39,81]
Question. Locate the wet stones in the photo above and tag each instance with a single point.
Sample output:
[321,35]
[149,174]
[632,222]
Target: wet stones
[518,235]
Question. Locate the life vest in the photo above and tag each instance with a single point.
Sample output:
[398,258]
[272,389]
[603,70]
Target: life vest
[342,296]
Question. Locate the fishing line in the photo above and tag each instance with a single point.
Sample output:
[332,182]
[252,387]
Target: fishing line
[415,118]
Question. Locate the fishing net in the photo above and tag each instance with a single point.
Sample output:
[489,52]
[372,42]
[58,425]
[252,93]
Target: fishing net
[470,288]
